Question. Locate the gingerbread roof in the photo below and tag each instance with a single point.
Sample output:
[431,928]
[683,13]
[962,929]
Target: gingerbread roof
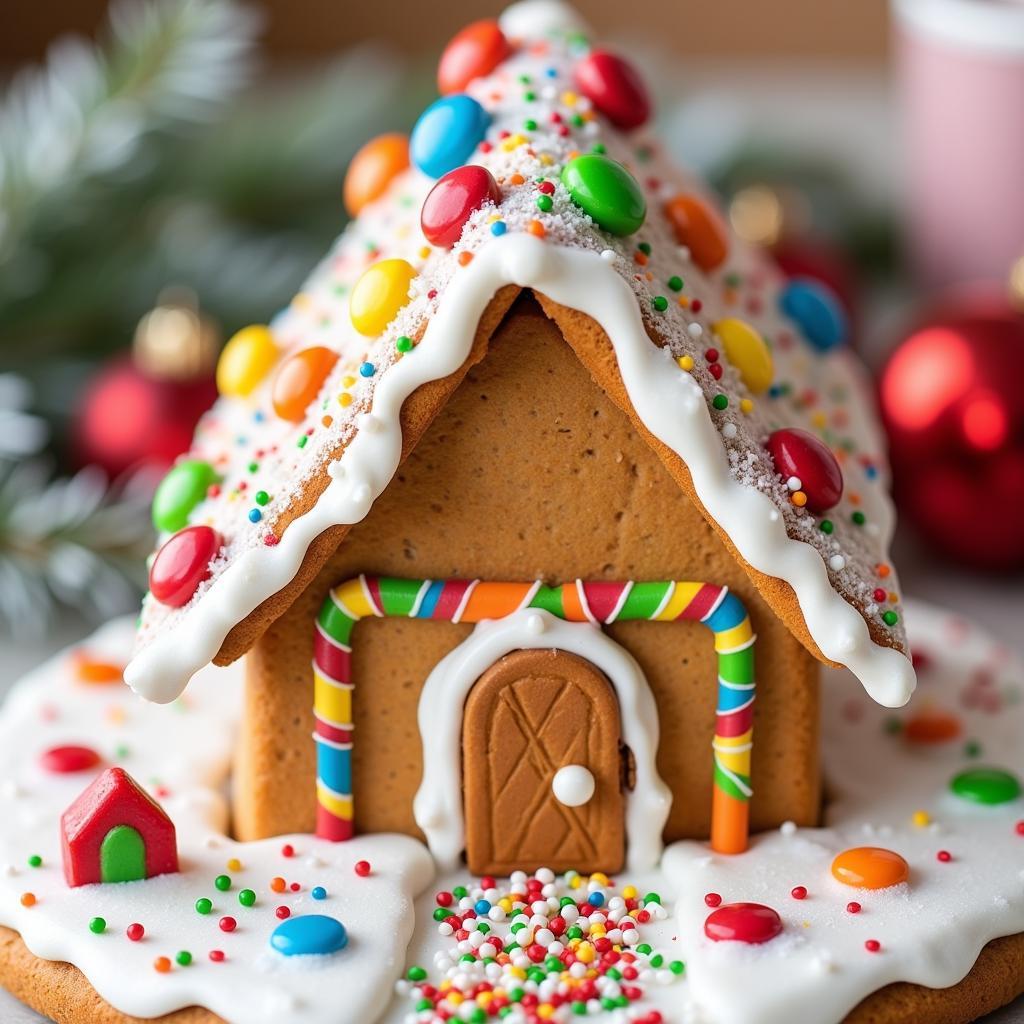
[707,363]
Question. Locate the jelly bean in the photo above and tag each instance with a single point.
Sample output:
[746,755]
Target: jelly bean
[179,493]
[607,192]
[747,351]
[986,786]
[932,725]
[453,199]
[379,294]
[299,381]
[447,133]
[373,168]
[870,867]
[752,923]
[182,564]
[614,87]
[472,53]
[800,454]
[245,361]
[699,227]
[817,311]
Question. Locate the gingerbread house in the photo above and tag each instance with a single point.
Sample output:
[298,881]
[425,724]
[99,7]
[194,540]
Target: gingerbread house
[540,474]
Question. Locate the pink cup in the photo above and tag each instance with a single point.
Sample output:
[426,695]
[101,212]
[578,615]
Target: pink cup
[962,77]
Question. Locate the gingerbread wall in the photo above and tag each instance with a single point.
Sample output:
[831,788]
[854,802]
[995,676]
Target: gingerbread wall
[529,472]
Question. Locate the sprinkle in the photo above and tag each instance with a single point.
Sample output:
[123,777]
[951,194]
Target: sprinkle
[35,861]
[944,856]
[367,370]
[261,498]
[853,908]
[277,884]
[362,868]
[746,406]
[97,925]
[227,924]
[255,515]
[921,818]
[659,303]
[135,932]
[890,618]
[544,203]
[720,402]
[247,898]
[498,228]
[203,905]
[798,892]
[836,563]
[162,964]
[713,899]
[465,258]
[216,955]
[826,526]
[872,945]
[536,228]
[28,899]
[184,958]
[281,913]
[685,363]
[318,892]
[675,283]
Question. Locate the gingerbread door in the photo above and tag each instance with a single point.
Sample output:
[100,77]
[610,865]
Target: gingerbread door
[542,767]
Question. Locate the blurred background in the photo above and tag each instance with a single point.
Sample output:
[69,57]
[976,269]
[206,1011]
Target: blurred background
[170,170]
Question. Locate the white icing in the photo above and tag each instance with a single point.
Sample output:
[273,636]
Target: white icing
[669,403]
[573,785]
[540,19]
[254,985]
[438,803]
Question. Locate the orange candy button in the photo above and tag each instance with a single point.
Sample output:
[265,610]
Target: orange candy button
[372,169]
[932,726]
[93,670]
[870,867]
[700,229]
[299,380]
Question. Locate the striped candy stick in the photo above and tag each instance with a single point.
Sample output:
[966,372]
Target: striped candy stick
[598,602]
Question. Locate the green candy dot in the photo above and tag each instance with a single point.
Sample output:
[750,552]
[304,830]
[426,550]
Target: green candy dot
[203,905]
[675,283]
[262,498]
[416,973]
[530,125]
[403,344]
[179,492]
[575,933]
[516,994]
[222,882]
[608,1003]
[657,960]
[247,898]
[35,861]
[986,786]
[439,914]
[599,148]
[677,967]
[544,202]
[890,618]
[972,748]
[720,402]
[579,1008]
[605,191]
[826,526]
[184,957]
[858,518]
[644,247]
[659,303]
[652,897]
[254,467]
[424,1004]
[893,725]
[643,948]
[459,891]
[479,1015]
[301,443]
[97,926]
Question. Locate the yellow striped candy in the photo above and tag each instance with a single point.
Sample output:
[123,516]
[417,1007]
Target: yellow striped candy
[379,294]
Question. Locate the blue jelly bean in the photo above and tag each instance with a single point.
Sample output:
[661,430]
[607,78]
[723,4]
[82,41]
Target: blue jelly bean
[817,311]
[447,133]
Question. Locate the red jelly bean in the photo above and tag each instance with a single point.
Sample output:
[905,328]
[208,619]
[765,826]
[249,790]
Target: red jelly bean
[63,760]
[800,454]
[453,199]
[182,564]
[472,53]
[615,88]
[743,922]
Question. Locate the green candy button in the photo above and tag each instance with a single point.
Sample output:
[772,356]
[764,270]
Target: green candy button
[179,492]
[986,786]
[607,192]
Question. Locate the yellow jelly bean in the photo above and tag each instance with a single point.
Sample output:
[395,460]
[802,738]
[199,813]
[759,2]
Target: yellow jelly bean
[245,361]
[747,351]
[379,294]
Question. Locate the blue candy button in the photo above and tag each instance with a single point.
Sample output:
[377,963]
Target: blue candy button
[310,935]
[447,133]
[817,311]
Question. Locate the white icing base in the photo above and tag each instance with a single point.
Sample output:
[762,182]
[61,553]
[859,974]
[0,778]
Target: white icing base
[931,931]
[438,803]
[670,404]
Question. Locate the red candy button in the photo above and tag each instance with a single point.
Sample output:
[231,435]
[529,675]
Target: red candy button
[182,564]
[800,454]
[475,51]
[614,87]
[743,922]
[453,199]
[65,760]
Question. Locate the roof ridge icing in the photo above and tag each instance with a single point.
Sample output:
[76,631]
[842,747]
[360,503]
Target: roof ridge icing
[592,216]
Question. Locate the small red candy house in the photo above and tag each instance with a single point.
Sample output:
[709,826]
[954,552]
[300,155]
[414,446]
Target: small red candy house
[116,832]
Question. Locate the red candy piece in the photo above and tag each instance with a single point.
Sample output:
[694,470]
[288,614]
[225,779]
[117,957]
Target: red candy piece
[743,922]
[182,564]
[112,801]
[800,454]
[64,760]
[614,87]
[362,868]
[475,51]
[453,199]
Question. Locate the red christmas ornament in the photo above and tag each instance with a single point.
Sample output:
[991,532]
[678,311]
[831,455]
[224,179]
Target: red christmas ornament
[182,564]
[799,454]
[952,402]
[142,409]
[475,51]
[752,923]
[453,199]
[614,87]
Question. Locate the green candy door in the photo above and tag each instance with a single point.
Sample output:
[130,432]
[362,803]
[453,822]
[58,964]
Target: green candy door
[122,855]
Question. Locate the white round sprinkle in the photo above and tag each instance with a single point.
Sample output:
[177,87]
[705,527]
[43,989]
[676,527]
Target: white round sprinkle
[837,562]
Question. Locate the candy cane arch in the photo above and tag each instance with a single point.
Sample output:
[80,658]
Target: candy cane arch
[600,603]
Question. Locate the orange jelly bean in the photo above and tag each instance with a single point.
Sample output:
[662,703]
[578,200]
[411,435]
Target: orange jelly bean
[372,169]
[932,726]
[870,867]
[299,380]
[700,229]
